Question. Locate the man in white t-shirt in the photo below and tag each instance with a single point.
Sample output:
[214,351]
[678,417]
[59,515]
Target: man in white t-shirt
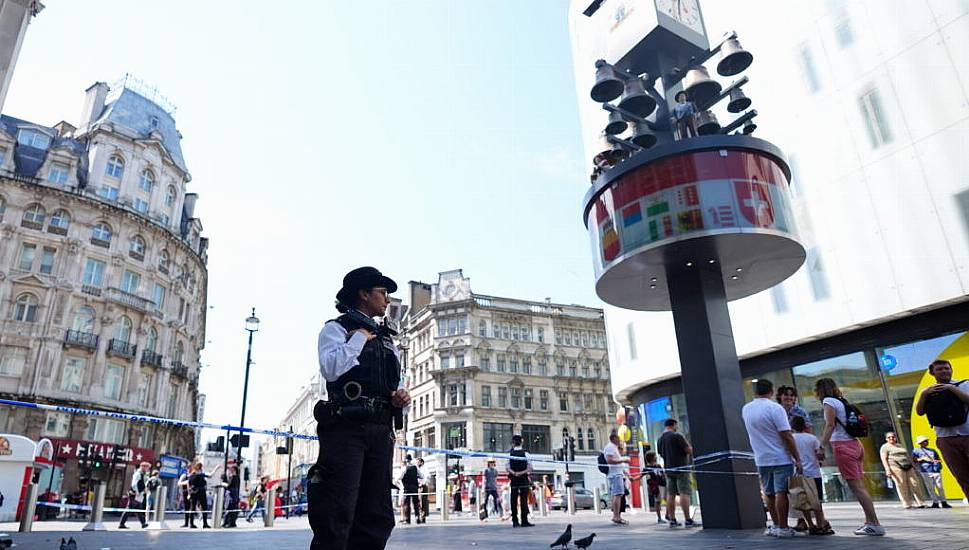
[617,485]
[775,453]
[953,441]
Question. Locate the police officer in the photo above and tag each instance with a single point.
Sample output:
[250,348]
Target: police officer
[349,486]
[518,471]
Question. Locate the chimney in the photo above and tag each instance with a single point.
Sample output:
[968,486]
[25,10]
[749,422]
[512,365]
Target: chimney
[189,207]
[93,103]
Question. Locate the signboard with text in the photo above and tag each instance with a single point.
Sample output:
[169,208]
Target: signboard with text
[66,449]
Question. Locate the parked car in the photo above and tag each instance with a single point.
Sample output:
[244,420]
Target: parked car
[584,499]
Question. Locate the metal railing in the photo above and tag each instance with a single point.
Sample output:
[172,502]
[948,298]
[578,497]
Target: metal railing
[131,300]
[81,339]
[92,290]
[122,348]
[179,369]
[150,358]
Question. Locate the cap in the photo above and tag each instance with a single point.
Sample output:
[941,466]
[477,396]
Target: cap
[363,278]
[921,439]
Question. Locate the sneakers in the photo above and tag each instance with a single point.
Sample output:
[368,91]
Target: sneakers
[690,523]
[870,530]
[945,504]
[660,520]
[674,523]
[934,505]
[771,531]
[784,532]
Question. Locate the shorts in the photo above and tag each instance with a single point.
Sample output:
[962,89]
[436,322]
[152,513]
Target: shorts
[617,487]
[774,479]
[848,455]
[678,483]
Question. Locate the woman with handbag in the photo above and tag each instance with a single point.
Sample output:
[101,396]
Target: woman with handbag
[901,469]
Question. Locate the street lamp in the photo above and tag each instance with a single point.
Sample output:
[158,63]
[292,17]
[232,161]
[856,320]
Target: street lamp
[252,325]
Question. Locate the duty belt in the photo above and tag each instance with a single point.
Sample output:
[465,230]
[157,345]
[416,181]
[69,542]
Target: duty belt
[362,409]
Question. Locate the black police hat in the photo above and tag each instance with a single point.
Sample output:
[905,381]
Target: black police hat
[363,278]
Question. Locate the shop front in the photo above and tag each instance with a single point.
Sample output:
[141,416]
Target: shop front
[87,463]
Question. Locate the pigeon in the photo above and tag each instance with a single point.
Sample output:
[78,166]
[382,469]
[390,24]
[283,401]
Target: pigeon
[68,544]
[564,538]
[585,542]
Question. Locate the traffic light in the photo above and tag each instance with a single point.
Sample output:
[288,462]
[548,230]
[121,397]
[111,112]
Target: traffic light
[571,448]
[97,464]
[234,440]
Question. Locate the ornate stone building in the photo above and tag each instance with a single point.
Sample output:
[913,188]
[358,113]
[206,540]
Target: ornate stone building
[481,368]
[102,283]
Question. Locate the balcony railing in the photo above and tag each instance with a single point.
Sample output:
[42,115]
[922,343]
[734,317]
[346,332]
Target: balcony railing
[92,290]
[121,348]
[81,339]
[150,358]
[180,370]
[131,300]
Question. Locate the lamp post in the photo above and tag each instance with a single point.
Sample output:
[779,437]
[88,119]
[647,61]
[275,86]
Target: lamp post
[252,325]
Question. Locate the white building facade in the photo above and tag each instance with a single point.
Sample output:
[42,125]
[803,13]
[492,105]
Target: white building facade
[869,101]
[103,283]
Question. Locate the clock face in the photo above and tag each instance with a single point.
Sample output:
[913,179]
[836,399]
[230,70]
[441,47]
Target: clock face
[686,12]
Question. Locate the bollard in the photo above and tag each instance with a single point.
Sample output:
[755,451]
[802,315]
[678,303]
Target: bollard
[30,506]
[97,510]
[442,502]
[480,500]
[217,507]
[570,495]
[543,502]
[644,497]
[269,509]
[161,496]
[597,495]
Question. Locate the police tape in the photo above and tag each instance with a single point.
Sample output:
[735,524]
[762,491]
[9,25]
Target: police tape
[700,461]
[151,511]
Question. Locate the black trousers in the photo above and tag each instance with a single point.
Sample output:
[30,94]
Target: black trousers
[519,498]
[425,503]
[349,487]
[231,503]
[412,502]
[132,503]
[199,502]
[493,493]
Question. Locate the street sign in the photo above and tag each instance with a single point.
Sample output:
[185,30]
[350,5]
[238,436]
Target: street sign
[888,362]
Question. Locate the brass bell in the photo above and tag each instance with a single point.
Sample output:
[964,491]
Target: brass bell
[608,86]
[636,100]
[616,124]
[706,123]
[749,127]
[699,86]
[734,59]
[643,135]
[738,101]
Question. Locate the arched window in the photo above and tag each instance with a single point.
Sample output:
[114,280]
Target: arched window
[35,215]
[163,261]
[115,167]
[84,320]
[591,435]
[61,220]
[151,341]
[3,208]
[101,232]
[580,440]
[147,180]
[137,247]
[179,352]
[122,331]
[26,308]
[170,196]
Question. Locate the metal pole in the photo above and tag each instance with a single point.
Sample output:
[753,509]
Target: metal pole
[245,396]
[161,498]
[217,507]
[97,510]
[30,506]
[597,495]
[269,509]
[570,493]
[289,475]
[542,503]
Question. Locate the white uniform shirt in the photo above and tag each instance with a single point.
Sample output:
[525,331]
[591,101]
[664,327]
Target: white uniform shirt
[338,355]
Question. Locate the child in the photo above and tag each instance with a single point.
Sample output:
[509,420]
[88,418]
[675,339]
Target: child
[655,479]
[809,448]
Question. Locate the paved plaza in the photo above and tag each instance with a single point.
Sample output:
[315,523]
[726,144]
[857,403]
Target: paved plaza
[907,529]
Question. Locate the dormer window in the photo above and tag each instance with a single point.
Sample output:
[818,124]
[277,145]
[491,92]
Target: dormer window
[153,121]
[115,167]
[58,173]
[33,138]
[170,197]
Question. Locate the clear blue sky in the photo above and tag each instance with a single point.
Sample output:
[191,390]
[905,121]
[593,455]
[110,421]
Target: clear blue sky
[415,136]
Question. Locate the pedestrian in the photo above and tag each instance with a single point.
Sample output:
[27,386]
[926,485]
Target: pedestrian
[547,492]
[232,482]
[900,468]
[519,469]
[930,467]
[410,483]
[809,449]
[491,487]
[154,482]
[683,113]
[946,403]
[615,480]
[787,397]
[424,488]
[676,453]
[775,453]
[260,493]
[137,492]
[198,494]
[186,500]
[848,452]
[655,484]
[349,484]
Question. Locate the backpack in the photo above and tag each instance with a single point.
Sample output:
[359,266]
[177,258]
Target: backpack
[945,410]
[603,463]
[856,423]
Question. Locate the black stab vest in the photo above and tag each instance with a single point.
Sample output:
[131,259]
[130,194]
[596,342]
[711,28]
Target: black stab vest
[378,372]
[518,465]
